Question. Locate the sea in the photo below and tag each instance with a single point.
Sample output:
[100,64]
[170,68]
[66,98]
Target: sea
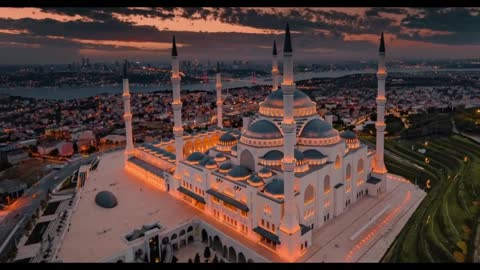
[67,93]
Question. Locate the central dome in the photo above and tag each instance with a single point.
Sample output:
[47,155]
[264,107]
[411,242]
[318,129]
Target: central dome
[273,104]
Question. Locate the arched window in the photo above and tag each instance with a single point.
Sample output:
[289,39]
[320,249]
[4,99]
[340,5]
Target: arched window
[338,163]
[360,166]
[349,172]
[326,184]
[309,195]
[247,160]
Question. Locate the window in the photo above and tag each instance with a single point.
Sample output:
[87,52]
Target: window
[268,225]
[273,227]
[338,163]
[263,223]
[349,172]
[326,184]
[244,213]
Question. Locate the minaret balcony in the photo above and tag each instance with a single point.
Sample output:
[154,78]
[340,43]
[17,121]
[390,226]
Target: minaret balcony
[288,88]
[177,105]
[381,100]
[127,117]
[382,74]
[288,164]
[289,126]
[380,126]
[175,78]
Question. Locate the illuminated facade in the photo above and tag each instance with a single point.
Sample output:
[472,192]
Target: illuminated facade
[286,174]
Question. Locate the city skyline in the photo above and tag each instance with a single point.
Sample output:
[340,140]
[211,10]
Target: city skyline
[61,35]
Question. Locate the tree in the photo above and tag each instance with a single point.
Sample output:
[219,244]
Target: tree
[190,260]
[207,253]
[222,261]
[197,258]
[215,259]
[174,259]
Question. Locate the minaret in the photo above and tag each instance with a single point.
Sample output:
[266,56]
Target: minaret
[127,115]
[274,68]
[218,87]
[177,107]
[289,226]
[379,165]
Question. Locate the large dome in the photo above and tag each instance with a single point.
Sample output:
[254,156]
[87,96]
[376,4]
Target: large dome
[263,129]
[273,104]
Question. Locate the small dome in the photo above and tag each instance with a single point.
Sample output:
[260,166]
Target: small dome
[263,129]
[195,157]
[265,172]
[228,137]
[273,155]
[317,128]
[313,154]
[225,166]
[211,164]
[275,187]
[239,172]
[106,199]
[348,134]
[255,180]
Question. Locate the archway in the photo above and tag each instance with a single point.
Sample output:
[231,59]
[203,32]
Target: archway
[210,242]
[326,184]
[190,239]
[217,243]
[360,166]
[190,228]
[247,160]
[225,251]
[174,236]
[232,255]
[250,261]
[182,232]
[309,195]
[204,236]
[348,174]
[241,258]
[120,261]
[338,162]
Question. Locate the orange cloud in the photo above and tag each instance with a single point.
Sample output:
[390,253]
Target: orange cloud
[36,13]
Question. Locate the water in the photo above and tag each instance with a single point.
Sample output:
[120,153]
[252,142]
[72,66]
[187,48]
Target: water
[66,93]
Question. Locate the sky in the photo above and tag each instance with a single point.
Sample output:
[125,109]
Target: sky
[62,35]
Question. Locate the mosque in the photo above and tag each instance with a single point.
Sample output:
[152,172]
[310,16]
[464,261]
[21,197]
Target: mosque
[284,175]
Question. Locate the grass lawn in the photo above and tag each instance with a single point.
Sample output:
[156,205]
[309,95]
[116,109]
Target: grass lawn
[37,233]
[441,228]
[28,172]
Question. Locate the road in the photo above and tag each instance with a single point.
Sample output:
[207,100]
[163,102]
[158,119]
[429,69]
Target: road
[27,205]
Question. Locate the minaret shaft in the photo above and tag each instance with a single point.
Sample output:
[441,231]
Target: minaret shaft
[289,223]
[379,164]
[177,108]
[127,116]
[218,87]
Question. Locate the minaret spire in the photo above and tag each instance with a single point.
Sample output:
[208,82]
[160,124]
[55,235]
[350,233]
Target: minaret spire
[177,108]
[174,47]
[274,68]
[379,165]
[127,115]
[289,226]
[218,87]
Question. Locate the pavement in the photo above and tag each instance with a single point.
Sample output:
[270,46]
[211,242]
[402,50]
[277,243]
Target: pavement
[27,205]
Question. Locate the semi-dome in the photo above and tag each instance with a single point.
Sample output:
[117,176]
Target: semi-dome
[106,199]
[263,129]
[273,104]
[273,155]
[275,188]
[348,134]
[298,155]
[313,154]
[318,129]
[239,172]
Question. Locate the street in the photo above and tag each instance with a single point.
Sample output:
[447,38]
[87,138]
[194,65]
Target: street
[27,205]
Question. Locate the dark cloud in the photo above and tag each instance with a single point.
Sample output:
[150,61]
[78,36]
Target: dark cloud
[317,33]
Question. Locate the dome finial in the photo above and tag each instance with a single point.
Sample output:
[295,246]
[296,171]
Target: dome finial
[382,44]
[174,47]
[274,47]
[287,45]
